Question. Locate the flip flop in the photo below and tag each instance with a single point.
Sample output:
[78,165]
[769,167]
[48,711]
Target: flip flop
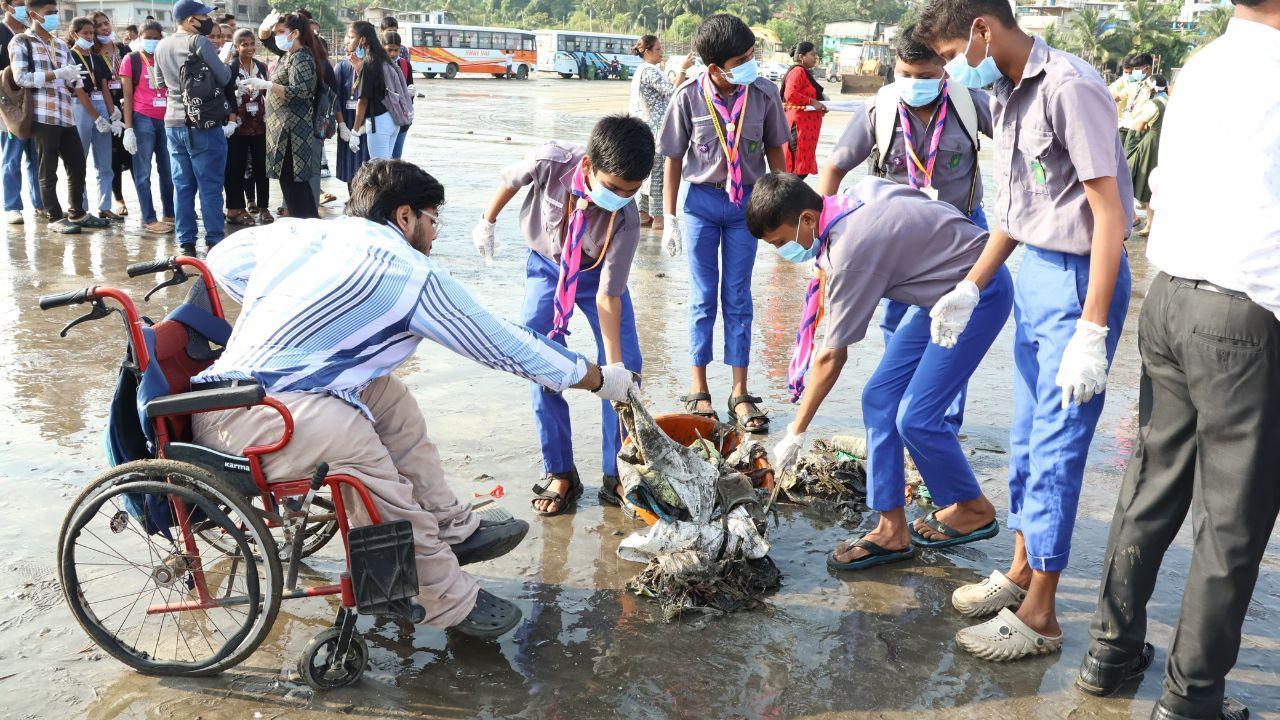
[954,537]
[879,556]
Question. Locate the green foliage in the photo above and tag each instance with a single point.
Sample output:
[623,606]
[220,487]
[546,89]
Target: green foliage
[787,32]
[1212,24]
[1147,26]
[682,26]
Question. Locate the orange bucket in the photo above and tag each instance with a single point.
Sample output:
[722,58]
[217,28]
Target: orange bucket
[687,429]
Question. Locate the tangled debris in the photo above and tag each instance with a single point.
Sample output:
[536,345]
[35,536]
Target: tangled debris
[835,472]
[688,582]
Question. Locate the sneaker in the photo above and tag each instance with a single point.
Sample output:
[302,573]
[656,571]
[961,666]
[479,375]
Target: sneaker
[64,227]
[14,217]
[497,535]
[90,221]
[491,617]
[1105,678]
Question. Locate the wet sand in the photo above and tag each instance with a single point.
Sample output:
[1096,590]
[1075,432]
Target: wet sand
[875,645]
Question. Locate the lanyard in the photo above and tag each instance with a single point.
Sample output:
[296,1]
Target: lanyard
[916,168]
[569,205]
[733,122]
[149,67]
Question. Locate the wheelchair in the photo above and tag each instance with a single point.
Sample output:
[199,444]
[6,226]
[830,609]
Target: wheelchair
[200,546]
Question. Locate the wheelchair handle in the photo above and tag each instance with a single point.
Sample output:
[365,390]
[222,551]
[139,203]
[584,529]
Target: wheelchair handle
[71,297]
[317,478]
[151,267]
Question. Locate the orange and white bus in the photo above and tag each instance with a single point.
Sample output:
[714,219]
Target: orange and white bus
[447,50]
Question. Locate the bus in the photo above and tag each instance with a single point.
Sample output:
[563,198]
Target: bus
[562,51]
[446,50]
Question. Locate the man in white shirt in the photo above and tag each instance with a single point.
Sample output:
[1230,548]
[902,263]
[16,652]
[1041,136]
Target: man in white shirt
[1209,405]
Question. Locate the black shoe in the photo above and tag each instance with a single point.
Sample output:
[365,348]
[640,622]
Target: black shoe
[90,221]
[1231,710]
[491,617]
[497,535]
[65,227]
[189,250]
[1105,678]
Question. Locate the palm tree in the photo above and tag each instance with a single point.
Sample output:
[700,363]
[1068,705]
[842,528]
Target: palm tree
[1150,26]
[1089,32]
[1052,37]
[1212,24]
[809,16]
[754,12]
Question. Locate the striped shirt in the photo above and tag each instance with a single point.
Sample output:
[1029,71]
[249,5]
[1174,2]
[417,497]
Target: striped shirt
[31,58]
[330,305]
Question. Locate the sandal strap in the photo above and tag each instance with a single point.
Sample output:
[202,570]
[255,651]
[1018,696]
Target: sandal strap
[734,402]
[696,397]
[933,523]
[873,548]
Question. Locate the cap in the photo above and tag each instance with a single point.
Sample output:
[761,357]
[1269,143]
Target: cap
[183,9]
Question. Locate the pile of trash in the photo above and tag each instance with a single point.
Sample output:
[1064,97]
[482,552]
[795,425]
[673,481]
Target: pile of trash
[707,550]
[835,473]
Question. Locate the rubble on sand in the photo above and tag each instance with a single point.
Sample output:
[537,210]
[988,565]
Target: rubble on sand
[835,473]
[688,582]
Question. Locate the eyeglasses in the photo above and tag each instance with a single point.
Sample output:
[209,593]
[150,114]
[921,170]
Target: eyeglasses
[434,218]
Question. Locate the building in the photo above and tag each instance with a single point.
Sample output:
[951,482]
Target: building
[434,17]
[1191,9]
[134,12]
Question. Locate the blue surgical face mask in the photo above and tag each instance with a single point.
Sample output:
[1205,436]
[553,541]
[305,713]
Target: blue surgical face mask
[284,42]
[149,46]
[104,39]
[968,76]
[50,22]
[83,44]
[794,252]
[360,51]
[918,92]
[744,74]
[20,13]
[1137,76]
[606,199]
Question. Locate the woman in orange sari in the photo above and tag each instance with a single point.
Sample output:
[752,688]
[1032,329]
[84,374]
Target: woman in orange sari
[802,97]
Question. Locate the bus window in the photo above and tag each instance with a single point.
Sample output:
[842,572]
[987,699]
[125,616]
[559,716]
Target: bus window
[528,43]
[467,39]
[454,40]
[421,37]
[484,40]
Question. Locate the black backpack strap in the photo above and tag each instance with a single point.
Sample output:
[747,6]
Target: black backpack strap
[135,68]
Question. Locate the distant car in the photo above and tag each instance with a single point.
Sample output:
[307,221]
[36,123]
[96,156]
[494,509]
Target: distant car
[773,71]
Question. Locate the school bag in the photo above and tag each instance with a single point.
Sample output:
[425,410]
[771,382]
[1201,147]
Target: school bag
[324,121]
[203,98]
[398,102]
[16,105]
[887,122]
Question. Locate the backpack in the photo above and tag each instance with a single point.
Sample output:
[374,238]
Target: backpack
[887,122]
[203,98]
[16,105]
[324,121]
[398,102]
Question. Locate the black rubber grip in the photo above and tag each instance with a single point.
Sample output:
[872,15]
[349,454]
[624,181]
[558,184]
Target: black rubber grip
[317,477]
[71,297]
[150,267]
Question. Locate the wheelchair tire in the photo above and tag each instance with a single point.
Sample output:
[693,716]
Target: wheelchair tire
[315,536]
[170,573]
[316,666]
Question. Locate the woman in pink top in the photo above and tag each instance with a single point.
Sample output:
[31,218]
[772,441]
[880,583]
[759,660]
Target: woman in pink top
[145,102]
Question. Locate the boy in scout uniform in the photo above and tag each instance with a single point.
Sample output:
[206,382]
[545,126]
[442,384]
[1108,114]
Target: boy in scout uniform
[583,230]
[718,131]
[1064,192]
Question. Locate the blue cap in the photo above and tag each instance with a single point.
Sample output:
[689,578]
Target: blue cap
[184,9]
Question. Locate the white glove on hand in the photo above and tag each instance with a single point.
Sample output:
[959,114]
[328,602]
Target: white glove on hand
[671,239]
[353,140]
[116,115]
[952,312]
[269,22]
[67,72]
[618,382]
[483,238]
[130,141]
[1083,370]
[254,83]
[102,125]
[117,127]
[344,133]
[787,452]
[230,129]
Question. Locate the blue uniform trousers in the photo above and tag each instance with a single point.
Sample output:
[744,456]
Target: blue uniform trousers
[1048,446]
[891,316]
[550,411]
[906,398]
[722,255]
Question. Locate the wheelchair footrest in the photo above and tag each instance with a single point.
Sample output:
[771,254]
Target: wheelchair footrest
[383,571]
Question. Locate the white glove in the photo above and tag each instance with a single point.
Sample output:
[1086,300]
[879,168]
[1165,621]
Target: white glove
[102,125]
[1083,370]
[353,140]
[116,115]
[130,141]
[618,382]
[483,238]
[117,127]
[671,235]
[254,83]
[952,312]
[344,133]
[68,72]
[230,129]
[269,22]
[787,452]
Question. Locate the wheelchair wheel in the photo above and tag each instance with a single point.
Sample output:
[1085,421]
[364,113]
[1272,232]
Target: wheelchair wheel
[319,667]
[316,534]
[168,602]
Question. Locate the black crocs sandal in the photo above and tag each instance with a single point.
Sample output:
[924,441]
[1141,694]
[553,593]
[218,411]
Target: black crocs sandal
[691,405]
[497,534]
[742,421]
[491,617]
[563,502]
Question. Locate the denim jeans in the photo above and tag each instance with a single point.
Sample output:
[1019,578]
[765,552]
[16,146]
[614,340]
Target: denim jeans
[398,151]
[198,159]
[150,135]
[14,149]
[97,144]
[380,134]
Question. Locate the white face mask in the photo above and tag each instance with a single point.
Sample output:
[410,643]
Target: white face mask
[284,42]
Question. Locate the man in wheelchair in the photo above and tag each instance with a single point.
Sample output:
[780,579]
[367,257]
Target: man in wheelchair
[329,308]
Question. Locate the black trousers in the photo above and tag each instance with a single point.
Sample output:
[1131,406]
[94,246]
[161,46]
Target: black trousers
[54,143]
[241,150]
[299,199]
[1209,441]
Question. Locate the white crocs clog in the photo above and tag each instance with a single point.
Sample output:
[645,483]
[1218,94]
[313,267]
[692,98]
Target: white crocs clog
[1005,638]
[988,597]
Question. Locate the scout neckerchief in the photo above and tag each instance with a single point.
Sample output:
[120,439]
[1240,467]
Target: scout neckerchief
[920,174]
[730,133]
[834,209]
[571,253]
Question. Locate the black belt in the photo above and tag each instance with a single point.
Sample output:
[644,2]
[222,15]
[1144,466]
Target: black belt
[218,384]
[1210,287]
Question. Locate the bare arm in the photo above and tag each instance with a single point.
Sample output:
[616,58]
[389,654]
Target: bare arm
[126,107]
[999,247]
[671,183]
[610,310]
[1109,220]
[777,159]
[822,378]
[499,201]
[830,178]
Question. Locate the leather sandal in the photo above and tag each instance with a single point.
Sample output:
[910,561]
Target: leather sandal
[691,405]
[743,420]
[562,502]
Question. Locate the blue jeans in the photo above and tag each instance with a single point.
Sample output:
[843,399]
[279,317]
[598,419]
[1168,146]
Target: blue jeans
[905,401]
[550,410]
[380,136]
[1048,446]
[398,151]
[151,141]
[198,159]
[13,152]
[97,144]
[716,232]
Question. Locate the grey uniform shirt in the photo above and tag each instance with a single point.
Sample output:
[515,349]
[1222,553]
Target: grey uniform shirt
[688,132]
[953,172]
[899,245]
[171,54]
[1055,130]
[544,217]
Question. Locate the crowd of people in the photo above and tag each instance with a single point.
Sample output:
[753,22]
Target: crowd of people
[197,109]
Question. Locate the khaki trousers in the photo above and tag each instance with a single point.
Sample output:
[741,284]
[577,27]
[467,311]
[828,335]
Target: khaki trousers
[392,456]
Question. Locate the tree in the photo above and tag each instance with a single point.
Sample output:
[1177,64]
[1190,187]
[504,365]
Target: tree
[787,32]
[809,17]
[1052,36]
[1212,24]
[753,12]
[1089,33]
[683,26]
